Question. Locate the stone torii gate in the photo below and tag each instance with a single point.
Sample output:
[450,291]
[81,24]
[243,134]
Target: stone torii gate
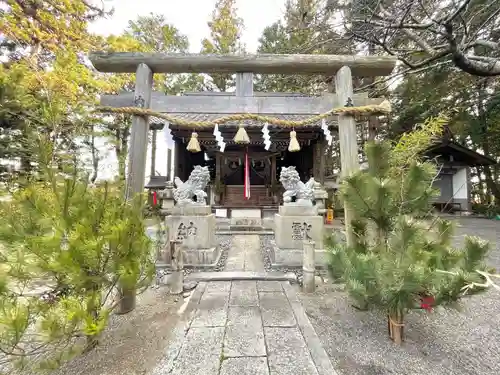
[145,64]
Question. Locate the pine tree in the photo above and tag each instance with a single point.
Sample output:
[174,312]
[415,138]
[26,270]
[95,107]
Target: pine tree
[403,257]
[225,38]
[80,242]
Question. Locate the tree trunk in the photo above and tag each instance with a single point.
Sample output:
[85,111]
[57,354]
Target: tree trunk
[481,186]
[95,157]
[395,326]
[93,310]
[491,183]
[127,301]
[121,150]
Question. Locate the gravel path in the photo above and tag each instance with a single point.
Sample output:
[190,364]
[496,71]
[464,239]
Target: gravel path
[441,343]
[133,343]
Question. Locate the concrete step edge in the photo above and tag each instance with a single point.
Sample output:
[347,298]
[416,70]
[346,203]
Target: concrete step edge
[234,232]
[242,276]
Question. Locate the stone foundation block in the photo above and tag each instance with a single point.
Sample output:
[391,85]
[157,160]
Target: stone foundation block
[293,209]
[294,257]
[203,257]
[191,210]
[290,231]
[194,226]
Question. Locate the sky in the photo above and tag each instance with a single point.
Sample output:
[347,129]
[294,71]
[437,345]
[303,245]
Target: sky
[190,17]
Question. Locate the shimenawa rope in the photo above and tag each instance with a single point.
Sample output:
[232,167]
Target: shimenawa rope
[382,109]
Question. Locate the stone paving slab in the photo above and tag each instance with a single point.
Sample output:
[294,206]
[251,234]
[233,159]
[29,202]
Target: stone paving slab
[245,366]
[288,353]
[244,315]
[269,286]
[218,287]
[271,337]
[276,311]
[244,341]
[244,254]
[244,285]
[253,258]
[212,310]
[318,353]
[200,353]
[179,332]
[244,298]
[244,293]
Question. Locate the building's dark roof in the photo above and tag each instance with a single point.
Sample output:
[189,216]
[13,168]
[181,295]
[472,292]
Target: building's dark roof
[459,153]
[156,182]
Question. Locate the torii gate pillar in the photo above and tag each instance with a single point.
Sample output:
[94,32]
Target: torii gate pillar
[349,158]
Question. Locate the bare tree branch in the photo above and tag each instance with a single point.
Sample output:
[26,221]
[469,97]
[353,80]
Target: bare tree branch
[420,34]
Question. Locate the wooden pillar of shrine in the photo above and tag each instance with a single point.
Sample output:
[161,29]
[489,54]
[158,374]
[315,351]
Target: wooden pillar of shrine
[169,164]
[316,159]
[319,162]
[218,159]
[218,178]
[322,161]
[273,170]
[179,160]
[155,127]
[153,154]
[274,180]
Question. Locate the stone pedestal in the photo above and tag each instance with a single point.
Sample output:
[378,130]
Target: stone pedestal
[292,225]
[194,225]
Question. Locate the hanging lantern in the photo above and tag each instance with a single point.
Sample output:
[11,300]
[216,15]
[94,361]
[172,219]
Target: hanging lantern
[194,144]
[241,136]
[294,143]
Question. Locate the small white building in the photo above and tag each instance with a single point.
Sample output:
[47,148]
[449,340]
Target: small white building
[454,182]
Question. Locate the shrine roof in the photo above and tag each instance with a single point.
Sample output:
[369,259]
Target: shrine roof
[331,122]
[156,182]
[459,153]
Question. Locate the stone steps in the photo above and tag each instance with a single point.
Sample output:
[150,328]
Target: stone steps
[245,232]
[241,275]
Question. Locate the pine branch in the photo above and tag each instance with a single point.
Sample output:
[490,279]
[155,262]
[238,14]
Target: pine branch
[486,275]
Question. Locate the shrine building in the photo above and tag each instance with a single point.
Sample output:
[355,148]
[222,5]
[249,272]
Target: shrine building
[227,168]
